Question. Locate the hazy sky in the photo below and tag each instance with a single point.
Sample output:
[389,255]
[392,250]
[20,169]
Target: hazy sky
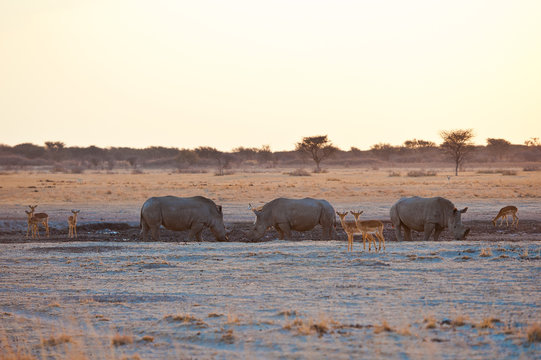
[247,73]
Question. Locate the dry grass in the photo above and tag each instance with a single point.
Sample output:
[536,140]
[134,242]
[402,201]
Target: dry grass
[57,340]
[148,338]
[460,320]
[215,315]
[299,172]
[126,191]
[186,319]
[533,333]
[487,323]
[288,313]
[486,252]
[421,173]
[232,319]
[384,326]
[228,336]
[430,322]
[120,340]
[310,326]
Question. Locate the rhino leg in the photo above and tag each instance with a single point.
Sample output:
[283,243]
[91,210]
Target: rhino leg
[144,231]
[327,233]
[437,232]
[195,232]
[284,229]
[407,233]
[429,228]
[155,233]
[398,231]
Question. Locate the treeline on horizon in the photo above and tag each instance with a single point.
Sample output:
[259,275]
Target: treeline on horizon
[77,159]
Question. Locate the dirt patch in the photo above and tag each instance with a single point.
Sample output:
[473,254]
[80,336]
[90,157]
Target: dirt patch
[122,232]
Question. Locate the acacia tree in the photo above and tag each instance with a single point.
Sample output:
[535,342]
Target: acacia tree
[457,144]
[498,146]
[318,147]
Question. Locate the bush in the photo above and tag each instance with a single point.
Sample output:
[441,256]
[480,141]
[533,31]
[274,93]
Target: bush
[508,172]
[299,172]
[421,173]
[530,168]
[394,174]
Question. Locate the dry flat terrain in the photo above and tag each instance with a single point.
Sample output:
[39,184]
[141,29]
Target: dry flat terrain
[110,296]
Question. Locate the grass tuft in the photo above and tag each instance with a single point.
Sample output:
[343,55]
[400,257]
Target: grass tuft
[53,341]
[120,340]
[534,333]
[487,323]
[383,327]
[486,252]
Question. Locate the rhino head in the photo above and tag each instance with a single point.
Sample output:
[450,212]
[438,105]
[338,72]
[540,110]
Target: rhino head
[218,228]
[455,224]
[260,225]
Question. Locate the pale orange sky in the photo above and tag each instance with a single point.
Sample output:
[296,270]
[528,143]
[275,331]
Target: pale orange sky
[248,73]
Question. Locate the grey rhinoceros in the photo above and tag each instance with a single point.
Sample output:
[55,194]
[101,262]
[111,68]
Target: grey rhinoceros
[294,214]
[428,215]
[176,213]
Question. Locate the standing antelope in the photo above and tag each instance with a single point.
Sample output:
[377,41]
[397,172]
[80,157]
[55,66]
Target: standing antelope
[32,225]
[41,218]
[350,227]
[72,223]
[505,212]
[369,227]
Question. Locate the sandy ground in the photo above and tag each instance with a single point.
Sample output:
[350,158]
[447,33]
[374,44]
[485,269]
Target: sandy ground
[118,197]
[277,299]
[273,299]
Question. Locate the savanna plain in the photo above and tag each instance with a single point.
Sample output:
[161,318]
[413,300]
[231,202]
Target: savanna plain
[108,295]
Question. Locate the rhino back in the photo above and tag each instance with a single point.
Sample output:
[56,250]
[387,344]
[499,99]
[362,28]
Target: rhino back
[300,214]
[177,213]
[415,211]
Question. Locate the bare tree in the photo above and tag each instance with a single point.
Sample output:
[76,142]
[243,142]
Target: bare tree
[457,144]
[318,147]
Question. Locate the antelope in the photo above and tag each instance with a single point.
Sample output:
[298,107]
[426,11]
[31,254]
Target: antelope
[42,218]
[72,223]
[350,227]
[369,227]
[505,212]
[32,225]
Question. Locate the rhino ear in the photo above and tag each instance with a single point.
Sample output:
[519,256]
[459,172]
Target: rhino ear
[219,208]
[455,211]
[464,210]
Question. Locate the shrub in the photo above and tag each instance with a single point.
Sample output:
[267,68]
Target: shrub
[508,172]
[530,168]
[394,174]
[299,172]
[420,173]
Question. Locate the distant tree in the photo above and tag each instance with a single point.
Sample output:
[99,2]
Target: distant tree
[498,147]
[221,158]
[382,150]
[132,160]
[54,148]
[265,154]
[354,150]
[458,145]
[318,147]
[533,142]
[29,150]
[187,156]
[418,144]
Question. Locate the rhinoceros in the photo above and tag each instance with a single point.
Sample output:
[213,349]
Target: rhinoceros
[294,214]
[176,213]
[428,215]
